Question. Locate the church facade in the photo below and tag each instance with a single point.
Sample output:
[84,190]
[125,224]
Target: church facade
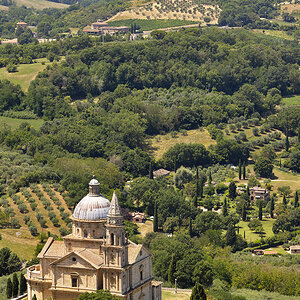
[96,255]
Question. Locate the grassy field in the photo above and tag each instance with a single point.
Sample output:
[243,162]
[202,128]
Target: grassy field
[252,236]
[151,24]
[261,295]
[170,295]
[291,101]
[40,4]
[161,143]
[144,228]
[276,33]
[15,123]
[26,73]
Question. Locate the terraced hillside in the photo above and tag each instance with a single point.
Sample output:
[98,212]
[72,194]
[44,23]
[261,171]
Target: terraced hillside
[173,9]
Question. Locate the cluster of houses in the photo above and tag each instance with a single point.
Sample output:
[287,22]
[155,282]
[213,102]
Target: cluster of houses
[295,249]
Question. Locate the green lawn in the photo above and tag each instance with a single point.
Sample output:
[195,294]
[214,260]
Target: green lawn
[291,101]
[26,73]
[252,236]
[275,33]
[151,24]
[170,296]
[15,123]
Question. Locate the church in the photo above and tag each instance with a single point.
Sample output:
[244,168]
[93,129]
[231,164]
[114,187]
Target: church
[96,255]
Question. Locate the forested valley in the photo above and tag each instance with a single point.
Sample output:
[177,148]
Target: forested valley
[102,104]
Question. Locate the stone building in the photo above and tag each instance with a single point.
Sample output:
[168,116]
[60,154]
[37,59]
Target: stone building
[96,255]
[259,193]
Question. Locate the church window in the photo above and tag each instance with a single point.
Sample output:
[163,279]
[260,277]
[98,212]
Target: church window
[112,239]
[77,231]
[141,275]
[74,282]
[85,234]
[74,258]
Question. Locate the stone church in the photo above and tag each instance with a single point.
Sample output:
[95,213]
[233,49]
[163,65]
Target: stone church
[96,255]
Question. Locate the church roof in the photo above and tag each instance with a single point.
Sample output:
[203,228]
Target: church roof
[93,206]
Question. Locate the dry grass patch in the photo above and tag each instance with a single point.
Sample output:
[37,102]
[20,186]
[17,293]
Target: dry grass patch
[289,8]
[166,295]
[146,227]
[40,4]
[161,143]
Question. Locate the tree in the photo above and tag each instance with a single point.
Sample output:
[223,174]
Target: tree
[260,207]
[203,273]
[263,167]
[15,285]
[244,212]
[151,170]
[232,190]
[272,206]
[255,225]
[198,292]
[284,201]
[34,297]
[240,170]
[190,227]
[244,170]
[230,236]
[23,284]
[296,200]
[225,209]
[172,269]
[155,220]
[9,289]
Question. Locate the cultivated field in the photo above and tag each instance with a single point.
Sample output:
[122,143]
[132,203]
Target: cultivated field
[161,143]
[26,73]
[15,123]
[173,9]
[40,4]
[44,208]
[152,24]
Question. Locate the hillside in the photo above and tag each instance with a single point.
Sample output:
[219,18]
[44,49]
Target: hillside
[40,4]
[168,9]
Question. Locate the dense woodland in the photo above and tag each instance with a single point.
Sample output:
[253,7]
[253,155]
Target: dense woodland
[101,103]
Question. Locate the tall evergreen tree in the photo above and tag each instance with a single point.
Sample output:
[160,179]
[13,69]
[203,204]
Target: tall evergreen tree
[191,227]
[15,285]
[172,269]
[287,143]
[260,206]
[244,170]
[155,220]
[240,170]
[230,235]
[296,201]
[9,289]
[201,184]
[225,208]
[244,235]
[198,292]
[23,285]
[272,206]
[284,200]
[34,297]
[209,178]
[150,171]
[232,190]
[244,212]
[197,184]
[248,190]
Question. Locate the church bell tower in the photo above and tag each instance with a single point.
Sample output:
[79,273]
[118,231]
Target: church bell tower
[115,249]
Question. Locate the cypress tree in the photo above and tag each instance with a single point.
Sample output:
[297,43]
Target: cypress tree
[191,228]
[272,205]
[8,288]
[225,209]
[23,285]
[15,285]
[209,178]
[280,163]
[240,170]
[230,235]
[197,184]
[296,202]
[244,170]
[34,297]
[260,205]
[248,190]
[244,212]
[150,171]
[287,143]
[232,190]
[198,292]
[172,269]
[155,220]
[284,200]
[244,234]
[201,188]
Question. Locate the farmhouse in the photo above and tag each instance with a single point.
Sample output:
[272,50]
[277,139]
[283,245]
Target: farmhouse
[22,24]
[259,193]
[100,28]
[295,249]
[96,255]
[161,172]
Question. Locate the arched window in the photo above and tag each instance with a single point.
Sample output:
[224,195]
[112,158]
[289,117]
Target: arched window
[85,234]
[78,231]
[112,239]
[141,273]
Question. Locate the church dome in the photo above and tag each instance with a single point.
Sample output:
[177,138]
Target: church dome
[93,206]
